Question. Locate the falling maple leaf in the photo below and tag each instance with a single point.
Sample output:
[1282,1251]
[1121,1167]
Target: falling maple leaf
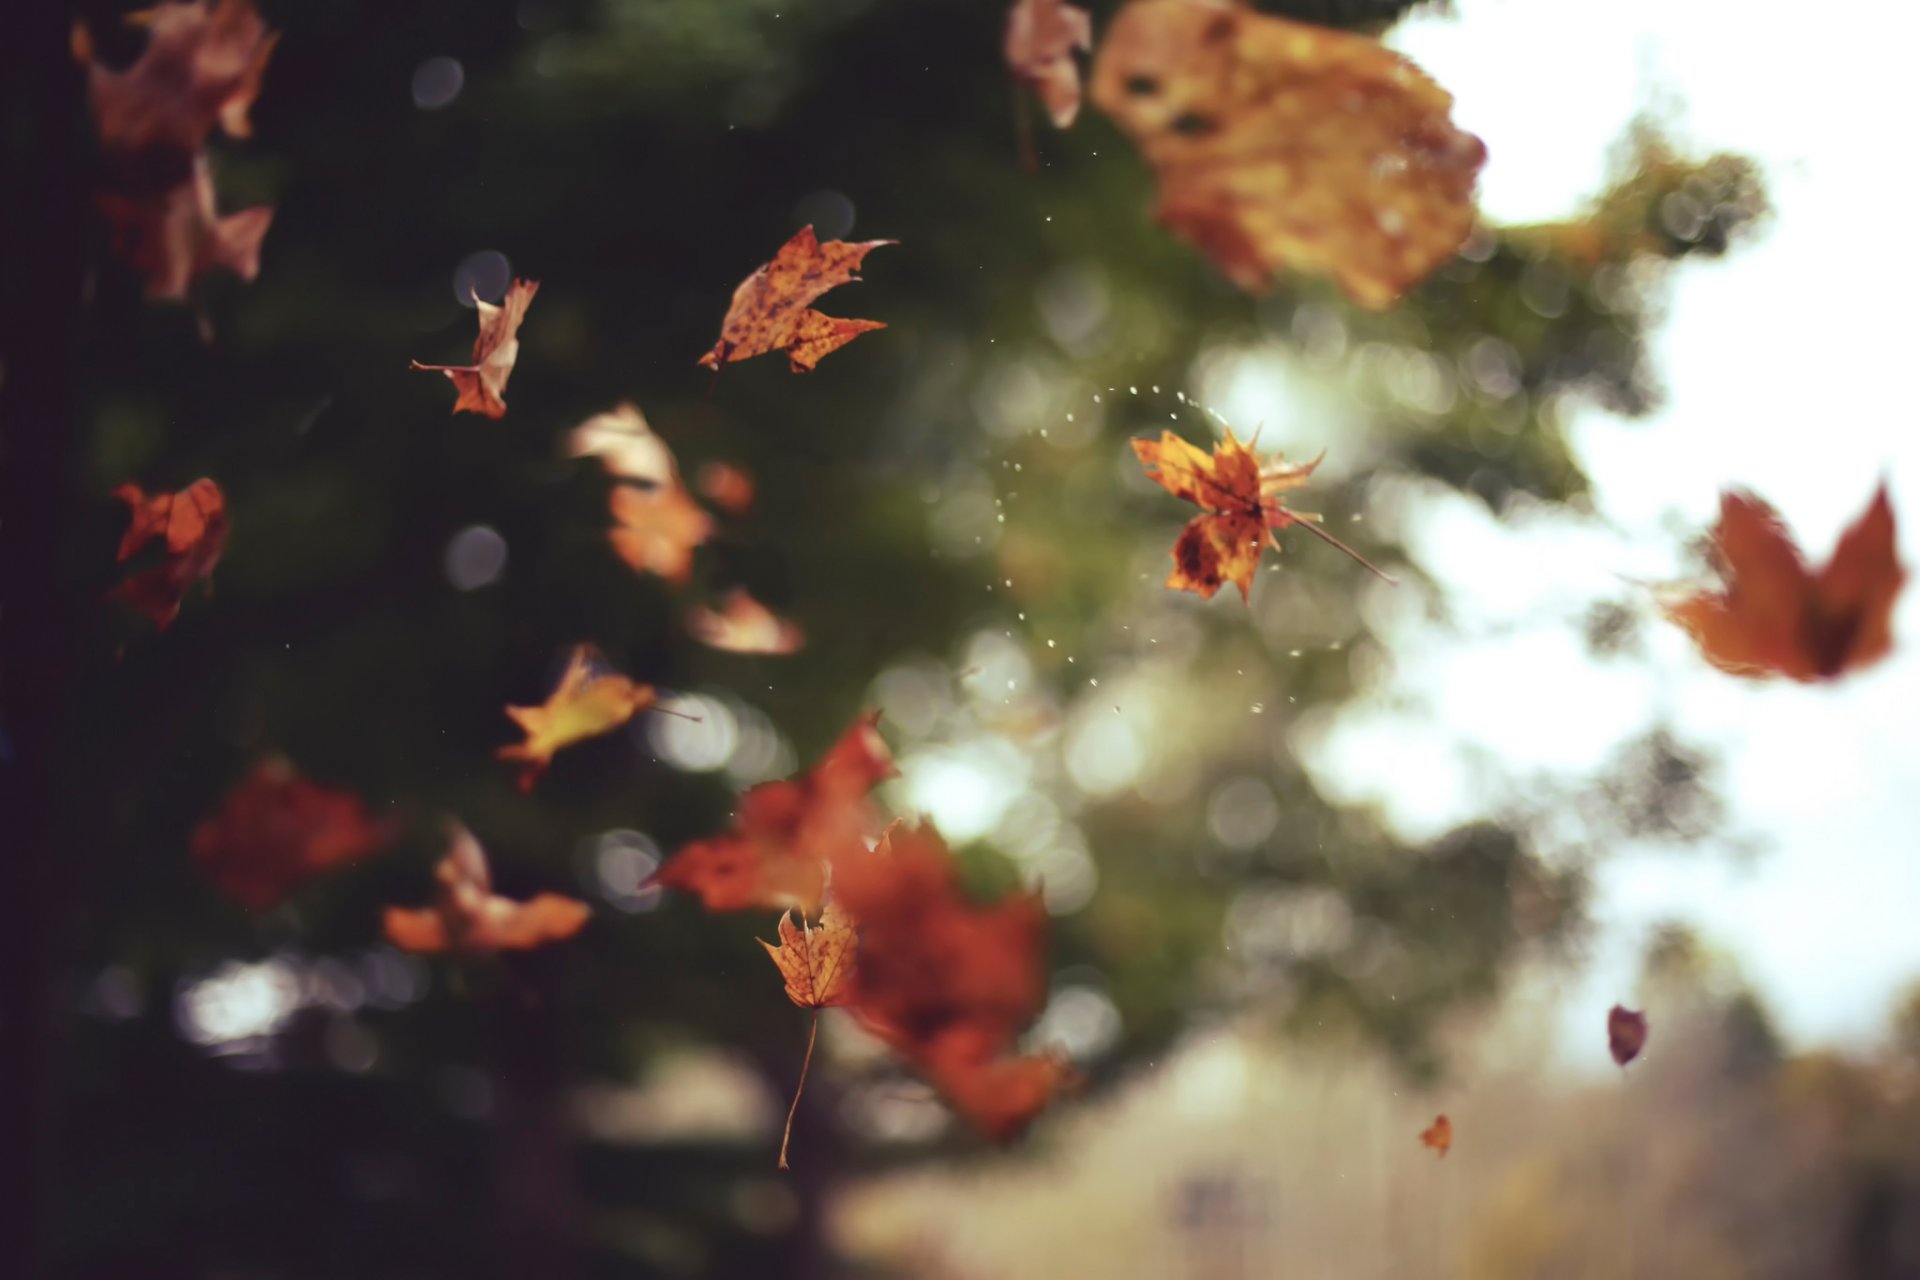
[1241,505]
[657,524]
[1438,1135]
[175,236]
[469,918]
[772,308]
[1283,145]
[726,486]
[191,527]
[947,983]
[744,625]
[785,833]
[1774,616]
[202,66]
[1626,1034]
[1041,38]
[275,831]
[483,383]
[815,961]
[585,704]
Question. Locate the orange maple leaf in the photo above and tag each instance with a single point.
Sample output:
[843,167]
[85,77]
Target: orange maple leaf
[469,918]
[785,833]
[175,236]
[1626,1033]
[483,383]
[815,961]
[657,524]
[191,526]
[1241,505]
[772,308]
[1776,617]
[1041,38]
[275,831]
[588,702]
[1283,145]
[947,983]
[1438,1135]
[744,625]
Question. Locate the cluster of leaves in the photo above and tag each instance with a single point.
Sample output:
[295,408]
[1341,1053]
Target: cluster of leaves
[1276,145]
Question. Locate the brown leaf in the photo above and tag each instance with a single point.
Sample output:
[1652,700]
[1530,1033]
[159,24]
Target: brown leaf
[771,309]
[657,524]
[1241,505]
[191,527]
[816,960]
[275,831]
[1774,616]
[175,236]
[586,703]
[947,983]
[1438,1135]
[744,625]
[1626,1034]
[785,833]
[468,918]
[483,384]
[1041,38]
[1280,145]
[202,67]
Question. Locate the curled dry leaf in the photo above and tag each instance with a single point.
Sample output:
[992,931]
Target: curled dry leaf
[191,528]
[726,486]
[816,960]
[275,831]
[1041,38]
[1279,145]
[201,69]
[1438,1135]
[947,983]
[744,625]
[1774,616]
[1241,506]
[467,917]
[785,833]
[588,702]
[483,384]
[657,524]
[1626,1034]
[772,308]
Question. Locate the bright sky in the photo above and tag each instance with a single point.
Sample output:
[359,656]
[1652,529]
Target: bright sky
[1784,366]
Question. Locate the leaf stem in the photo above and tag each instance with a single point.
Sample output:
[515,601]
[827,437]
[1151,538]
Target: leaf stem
[786,1136]
[1324,536]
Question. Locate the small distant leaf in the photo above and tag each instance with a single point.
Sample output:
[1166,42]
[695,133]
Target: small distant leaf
[468,918]
[483,384]
[726,486]
[1626,1034]
[657,524]
[772,308]
[275,831]
[744,625]
[586,703]
[816,960]
[1775,617]
[191,528]
[1041,38]
[1281,145]
[1438,1135]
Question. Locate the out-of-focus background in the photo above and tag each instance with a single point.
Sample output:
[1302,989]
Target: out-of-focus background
[1318,867]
